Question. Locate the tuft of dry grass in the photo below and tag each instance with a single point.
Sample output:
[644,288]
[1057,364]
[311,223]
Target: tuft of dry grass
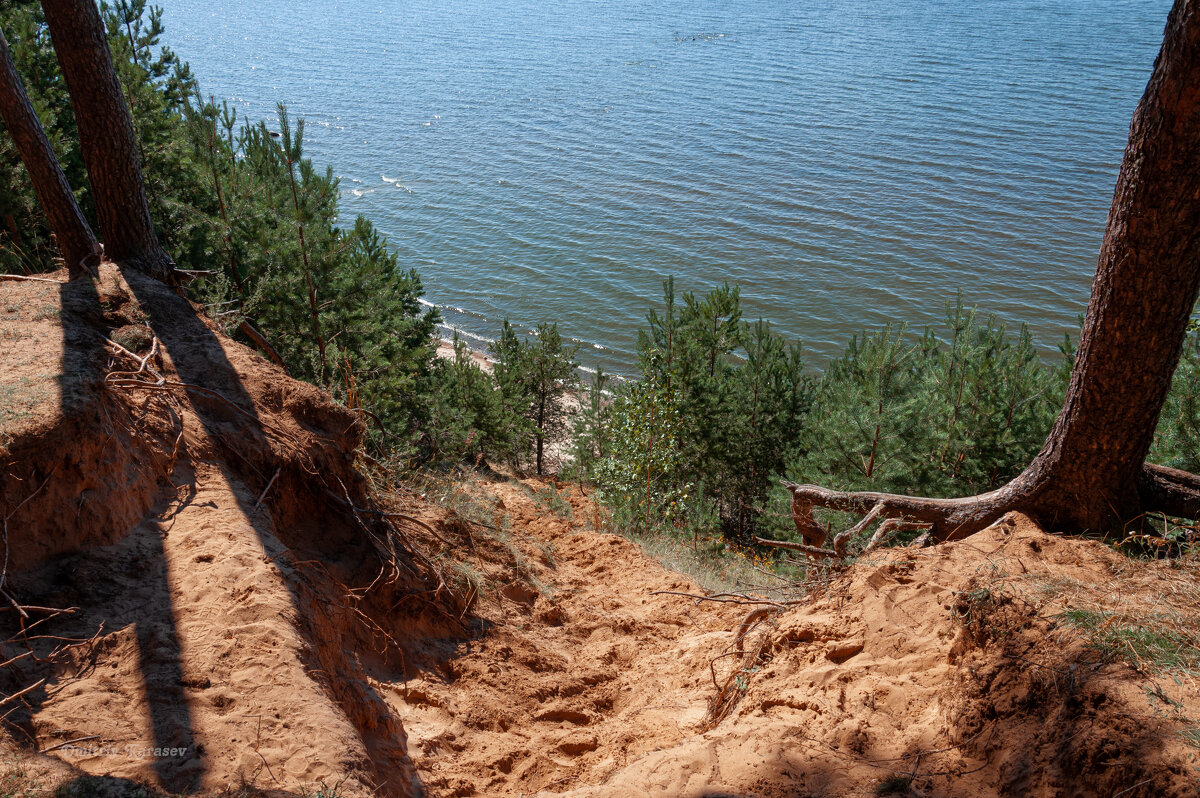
[1148,643]
[715,572]
[1147,614]
[18,781]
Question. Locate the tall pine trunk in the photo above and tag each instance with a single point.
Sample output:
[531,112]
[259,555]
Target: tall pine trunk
[106,137]
[1091,475]
[1143,294]
[75,239]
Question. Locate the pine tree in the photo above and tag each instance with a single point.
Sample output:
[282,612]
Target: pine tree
[535,378]
[75,238]
[106,137]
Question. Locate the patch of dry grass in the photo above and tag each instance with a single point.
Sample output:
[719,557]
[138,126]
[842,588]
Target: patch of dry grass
[715,572]
[1147,614]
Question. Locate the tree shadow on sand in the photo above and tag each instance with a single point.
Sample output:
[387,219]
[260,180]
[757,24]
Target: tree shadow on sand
[302,520]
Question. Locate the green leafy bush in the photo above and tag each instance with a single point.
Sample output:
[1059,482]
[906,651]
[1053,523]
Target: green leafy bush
[643,480]
[736,395]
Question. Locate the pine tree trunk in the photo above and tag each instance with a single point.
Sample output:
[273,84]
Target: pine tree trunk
[106,136]
[75,239]
[541,436]
[1091,474]
[1087,475]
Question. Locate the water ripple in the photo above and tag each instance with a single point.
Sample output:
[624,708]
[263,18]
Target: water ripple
[849,163]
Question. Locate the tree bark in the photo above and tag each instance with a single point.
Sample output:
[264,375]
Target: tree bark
[541,435]
[1091,474]
[1088,474]
[75,239]
[106,136]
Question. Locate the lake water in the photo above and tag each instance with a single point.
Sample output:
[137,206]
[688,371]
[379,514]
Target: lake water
[848,163]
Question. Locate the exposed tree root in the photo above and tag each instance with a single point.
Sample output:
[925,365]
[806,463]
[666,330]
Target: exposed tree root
[1160,490]
[737,681]
[1170,491]
[23,278]
[262,343]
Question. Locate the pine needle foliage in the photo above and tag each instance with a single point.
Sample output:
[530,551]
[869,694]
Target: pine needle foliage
[535,377]
[332,299]
[719,403]
[467,419]
[240,205]
[589,435]
[954,411]
[1177,439]
[25,243]
[947,415]
[958,411]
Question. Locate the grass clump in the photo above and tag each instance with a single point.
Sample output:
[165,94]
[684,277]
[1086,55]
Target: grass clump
[550,498]
[894,785]
[18,782]
[1150,648]
[714,567]
[322,790]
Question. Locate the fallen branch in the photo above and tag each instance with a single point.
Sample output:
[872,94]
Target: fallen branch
[53,614]
[166,386]
[34,607]
[31,279]
[750,601]
[20,610]
[814,551]
[141,360]
[263,495]
[69,742]
[20,693]
[262,343]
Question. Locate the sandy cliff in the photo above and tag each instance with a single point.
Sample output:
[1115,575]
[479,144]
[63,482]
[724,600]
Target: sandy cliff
[214,600]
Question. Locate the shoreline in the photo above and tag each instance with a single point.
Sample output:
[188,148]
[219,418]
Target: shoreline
[486,363]
[445,350]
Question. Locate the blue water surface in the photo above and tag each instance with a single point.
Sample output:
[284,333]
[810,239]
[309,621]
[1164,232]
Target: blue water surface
[847,163]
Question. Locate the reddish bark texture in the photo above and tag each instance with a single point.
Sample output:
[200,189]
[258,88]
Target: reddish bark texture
[1091,475]
[75,238]
[106,136]
[1088,474]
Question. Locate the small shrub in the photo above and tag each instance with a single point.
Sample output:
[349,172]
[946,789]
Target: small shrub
[557,503]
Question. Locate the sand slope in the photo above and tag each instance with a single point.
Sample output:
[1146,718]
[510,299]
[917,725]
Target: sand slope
[212,639]
[224,636]
[947,669]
